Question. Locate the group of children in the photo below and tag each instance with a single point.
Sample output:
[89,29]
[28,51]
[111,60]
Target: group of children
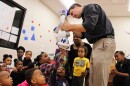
[43,71]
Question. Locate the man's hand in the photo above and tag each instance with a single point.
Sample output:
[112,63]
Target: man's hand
[66,26]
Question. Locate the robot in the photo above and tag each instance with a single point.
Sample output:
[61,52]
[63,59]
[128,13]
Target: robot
[62,36]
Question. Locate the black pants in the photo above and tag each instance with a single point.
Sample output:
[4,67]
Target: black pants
[77,81]
[121,81]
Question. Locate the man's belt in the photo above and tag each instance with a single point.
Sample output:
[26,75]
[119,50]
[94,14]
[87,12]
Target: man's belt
[107,36]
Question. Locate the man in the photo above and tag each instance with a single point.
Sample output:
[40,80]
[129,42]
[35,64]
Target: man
[98,30]
[122,71]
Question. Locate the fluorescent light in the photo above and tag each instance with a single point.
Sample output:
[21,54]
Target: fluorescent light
[129,6]
[67,3]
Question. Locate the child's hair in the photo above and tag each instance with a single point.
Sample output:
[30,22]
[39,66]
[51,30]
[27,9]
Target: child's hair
[42,52]
[21,48]
[29,74]
[85,49]
[28,51]
[37,59]
[5,56]
[16,61]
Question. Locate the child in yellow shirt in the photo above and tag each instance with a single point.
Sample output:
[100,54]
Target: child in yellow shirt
[80,67]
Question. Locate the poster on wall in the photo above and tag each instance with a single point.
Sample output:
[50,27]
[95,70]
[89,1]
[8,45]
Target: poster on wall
[6,17]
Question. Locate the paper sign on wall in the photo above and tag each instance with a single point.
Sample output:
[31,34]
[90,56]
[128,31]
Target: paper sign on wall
[5,36]
[13,38]
[15,30]
[6,17]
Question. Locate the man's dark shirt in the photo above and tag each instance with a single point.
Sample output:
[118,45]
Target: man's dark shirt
[96,23]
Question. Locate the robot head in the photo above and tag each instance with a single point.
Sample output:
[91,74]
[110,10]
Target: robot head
[63,12]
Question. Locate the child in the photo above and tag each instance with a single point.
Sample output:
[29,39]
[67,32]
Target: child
[18,76]
[34,77]
[61,57]
[5,79]
[58,79]
[7,59]
[2,66]
[46,67]
[27,59]
[81,66]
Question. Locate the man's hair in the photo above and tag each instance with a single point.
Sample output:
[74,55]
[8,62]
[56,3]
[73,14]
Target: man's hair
[29,74]
[121,52]
[21,48]
[72,7]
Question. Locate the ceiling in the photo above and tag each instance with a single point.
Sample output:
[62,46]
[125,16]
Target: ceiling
[111,7]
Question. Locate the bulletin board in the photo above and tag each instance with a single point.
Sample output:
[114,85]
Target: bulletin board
[11,20]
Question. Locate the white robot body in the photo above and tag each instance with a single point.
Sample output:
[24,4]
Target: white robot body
[62,35]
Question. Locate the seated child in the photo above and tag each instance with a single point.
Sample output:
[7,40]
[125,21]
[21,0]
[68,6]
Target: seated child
[61,57]
[59,79]
[19,76]
[27,59]
[34,77]
[46,67]
[7,59]
[5,79]
[2,66]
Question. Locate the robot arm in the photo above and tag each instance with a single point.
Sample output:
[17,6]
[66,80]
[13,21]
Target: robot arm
[63,15]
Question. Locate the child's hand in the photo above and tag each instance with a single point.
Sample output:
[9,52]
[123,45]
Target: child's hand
[24,67]
[114,71]
[84,74]
[70,77]
[15,69]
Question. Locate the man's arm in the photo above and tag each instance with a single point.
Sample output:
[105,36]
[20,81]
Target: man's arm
[73,27]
